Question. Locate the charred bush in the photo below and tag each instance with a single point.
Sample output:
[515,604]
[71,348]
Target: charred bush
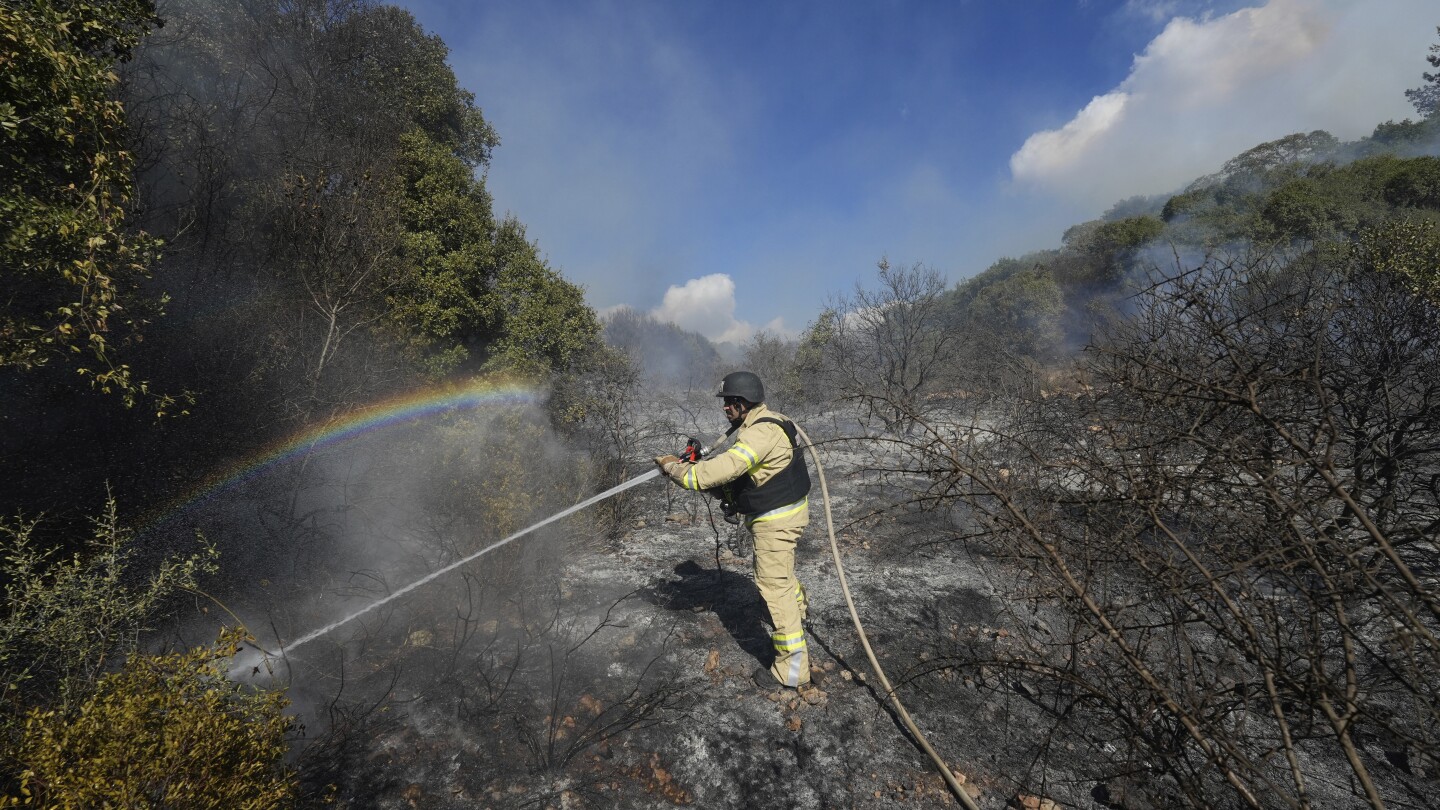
[1235,524]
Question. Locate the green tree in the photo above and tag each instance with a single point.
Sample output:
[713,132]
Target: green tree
[442,308]
[543,323]
[1285,153]
[1416,185]
[812,382]
[1404,249]
[1022,314]
[68,266]
[1426,97]
[1298,210]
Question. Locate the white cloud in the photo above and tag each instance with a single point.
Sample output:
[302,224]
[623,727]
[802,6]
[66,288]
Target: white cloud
[1056,150]
[705,305]
[1206,89]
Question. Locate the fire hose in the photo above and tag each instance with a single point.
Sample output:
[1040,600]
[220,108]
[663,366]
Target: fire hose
[693,452]
[889,691]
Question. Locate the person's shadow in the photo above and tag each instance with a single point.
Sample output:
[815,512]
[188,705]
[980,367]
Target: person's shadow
[732,597]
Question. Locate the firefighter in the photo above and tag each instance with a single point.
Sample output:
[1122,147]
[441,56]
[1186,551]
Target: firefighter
[763,477]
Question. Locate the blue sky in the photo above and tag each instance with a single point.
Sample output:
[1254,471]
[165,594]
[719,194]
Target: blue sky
[731,165]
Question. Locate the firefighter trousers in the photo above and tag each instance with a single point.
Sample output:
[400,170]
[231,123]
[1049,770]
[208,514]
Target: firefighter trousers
[784,596]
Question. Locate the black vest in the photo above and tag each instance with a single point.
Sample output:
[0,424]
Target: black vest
[783,488]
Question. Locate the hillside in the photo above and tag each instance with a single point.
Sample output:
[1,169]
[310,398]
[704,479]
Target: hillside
[1147,520]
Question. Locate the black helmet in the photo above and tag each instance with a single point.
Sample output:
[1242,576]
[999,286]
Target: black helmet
[742,384]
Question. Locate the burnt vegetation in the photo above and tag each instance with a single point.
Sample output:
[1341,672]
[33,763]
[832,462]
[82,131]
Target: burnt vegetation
[1146,520]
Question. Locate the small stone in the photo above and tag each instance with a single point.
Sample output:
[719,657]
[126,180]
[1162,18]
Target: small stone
[814,696]
[793,723]
[1025,801]
[846,675]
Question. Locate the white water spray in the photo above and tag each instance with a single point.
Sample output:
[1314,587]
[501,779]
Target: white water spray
[314,634]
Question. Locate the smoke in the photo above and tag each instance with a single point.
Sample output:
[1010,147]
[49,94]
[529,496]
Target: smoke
[1207,88]
[664,351]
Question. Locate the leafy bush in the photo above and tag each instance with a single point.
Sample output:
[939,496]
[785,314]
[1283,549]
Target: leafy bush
[70,269]
[165,731]
[64,620]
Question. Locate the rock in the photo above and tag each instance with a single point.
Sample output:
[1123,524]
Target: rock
[814,697]
[712,661]
[1025,801]
[1117,794]
[592,704]
[679,518]
[793,723]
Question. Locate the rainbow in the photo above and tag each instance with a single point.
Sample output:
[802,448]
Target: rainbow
[404,409]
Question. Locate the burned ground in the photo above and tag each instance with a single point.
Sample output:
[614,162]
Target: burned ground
[578,669]
[624,679]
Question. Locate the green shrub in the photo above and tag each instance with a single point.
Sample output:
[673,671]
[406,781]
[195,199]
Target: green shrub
[62,621]
[165,731]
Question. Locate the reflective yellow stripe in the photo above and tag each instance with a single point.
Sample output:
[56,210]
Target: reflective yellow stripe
[776,514]
[743,450]
[788,642]
[691,482]
[792,678]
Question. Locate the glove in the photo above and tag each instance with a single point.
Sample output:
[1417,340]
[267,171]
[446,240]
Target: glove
[665,461]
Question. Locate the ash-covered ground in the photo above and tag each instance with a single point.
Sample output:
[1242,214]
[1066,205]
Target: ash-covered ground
[578,670]
[626,680]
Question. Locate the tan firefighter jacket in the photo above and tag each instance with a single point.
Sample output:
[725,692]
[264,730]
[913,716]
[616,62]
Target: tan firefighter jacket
[759,450]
